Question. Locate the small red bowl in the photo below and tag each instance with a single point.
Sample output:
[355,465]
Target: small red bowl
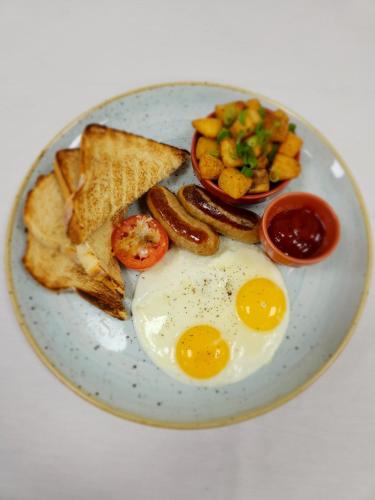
[291,201]
[219,193]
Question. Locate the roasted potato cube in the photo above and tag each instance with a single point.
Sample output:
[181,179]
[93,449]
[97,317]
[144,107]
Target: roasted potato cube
[291,146]
[205,145]
[232,182]
[255,116]
[277,123]
[244,125]
[284,167]
[209,127]
[210,167]
[261,181]
[229,153]
[253,104]
[228,113]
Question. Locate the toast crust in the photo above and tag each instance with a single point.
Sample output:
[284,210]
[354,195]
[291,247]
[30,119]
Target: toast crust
[67,170]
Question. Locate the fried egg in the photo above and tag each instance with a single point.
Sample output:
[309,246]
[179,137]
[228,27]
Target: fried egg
[211,320]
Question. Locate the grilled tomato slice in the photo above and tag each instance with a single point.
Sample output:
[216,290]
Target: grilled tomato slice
[139,242]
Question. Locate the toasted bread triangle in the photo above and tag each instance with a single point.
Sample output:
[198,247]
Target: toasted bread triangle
[117,168]
[67,171]
[51,258]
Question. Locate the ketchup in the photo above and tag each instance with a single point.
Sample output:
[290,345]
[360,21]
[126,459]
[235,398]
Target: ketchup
[298,232]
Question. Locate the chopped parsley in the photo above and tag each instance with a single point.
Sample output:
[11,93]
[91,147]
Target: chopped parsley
[224,132]
[230,115]
[240,136]
[246,152]
[262,112]
[247,171]
[242,148]
[242,116]
[292,127]
[252,141]
[271,155]
[262,134]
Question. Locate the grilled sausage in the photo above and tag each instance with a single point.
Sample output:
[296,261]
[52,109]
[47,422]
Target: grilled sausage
[183,230]
[235,222]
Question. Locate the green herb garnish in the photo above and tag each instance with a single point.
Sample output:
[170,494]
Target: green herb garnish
[246,152]
[242,116]
[230,114]
[252,141]
[240,136]
[215,154]
[292,127]
[248,171]
[224,132]
[262,112]
[271,155]
[262,134]
[241,148]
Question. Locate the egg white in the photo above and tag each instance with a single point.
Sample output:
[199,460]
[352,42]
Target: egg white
[184,290]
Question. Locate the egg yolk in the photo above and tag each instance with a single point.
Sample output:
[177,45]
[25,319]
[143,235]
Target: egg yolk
[201,352]
[261,304]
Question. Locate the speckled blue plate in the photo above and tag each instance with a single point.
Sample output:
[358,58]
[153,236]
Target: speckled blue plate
[100,358]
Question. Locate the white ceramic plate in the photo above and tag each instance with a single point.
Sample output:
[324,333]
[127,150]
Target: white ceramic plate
[100,358]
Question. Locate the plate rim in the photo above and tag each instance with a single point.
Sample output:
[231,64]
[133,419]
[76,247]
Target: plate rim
[217,422]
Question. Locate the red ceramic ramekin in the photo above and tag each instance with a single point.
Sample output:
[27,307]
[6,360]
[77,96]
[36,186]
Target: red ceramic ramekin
[300,200]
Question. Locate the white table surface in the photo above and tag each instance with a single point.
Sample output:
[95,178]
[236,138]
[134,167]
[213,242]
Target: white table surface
[57,58]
